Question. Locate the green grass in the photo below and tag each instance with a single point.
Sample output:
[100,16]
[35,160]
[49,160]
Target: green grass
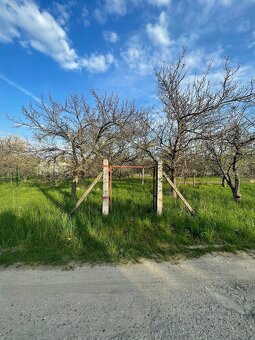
[35,226]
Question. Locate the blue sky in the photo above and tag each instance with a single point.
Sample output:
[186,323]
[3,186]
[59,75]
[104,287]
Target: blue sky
[60,47]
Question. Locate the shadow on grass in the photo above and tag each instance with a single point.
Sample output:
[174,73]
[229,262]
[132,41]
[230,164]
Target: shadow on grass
[66,207]
[27,241]
[64,193]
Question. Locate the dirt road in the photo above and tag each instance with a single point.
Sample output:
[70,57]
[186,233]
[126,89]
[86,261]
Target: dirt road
[212,297]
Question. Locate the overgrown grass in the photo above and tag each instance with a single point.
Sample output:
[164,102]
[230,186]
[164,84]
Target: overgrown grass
[35,225]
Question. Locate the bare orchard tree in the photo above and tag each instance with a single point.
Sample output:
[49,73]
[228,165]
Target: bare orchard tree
[15,155]
[232,144]
[194,162]
[79,133]
[115,144]
[187,107]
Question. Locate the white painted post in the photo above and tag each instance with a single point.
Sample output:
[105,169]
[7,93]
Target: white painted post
[143,177]
[159,177]
[105,206]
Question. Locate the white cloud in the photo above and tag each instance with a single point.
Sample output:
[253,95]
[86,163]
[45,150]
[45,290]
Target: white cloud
[37,29]
[158,33]
[198,59]
[137,59]
[110,36]
[142,57]
[118,7]
[225,3]
[98,63]
[137,56]
[110,7]
[159,2]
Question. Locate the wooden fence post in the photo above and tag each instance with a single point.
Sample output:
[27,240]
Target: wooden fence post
[143,177]
[86,193]
[159,186]
[17,175]
[178,193]
[105,206]
[194,181]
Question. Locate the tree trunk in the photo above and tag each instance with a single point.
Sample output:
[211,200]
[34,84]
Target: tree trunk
[236,190]
[184,180]
[223,182]
[74,187]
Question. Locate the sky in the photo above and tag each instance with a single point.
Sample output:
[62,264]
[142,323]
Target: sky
[62,47]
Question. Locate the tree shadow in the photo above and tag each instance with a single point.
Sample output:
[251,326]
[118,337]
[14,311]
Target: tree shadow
[22,239]
[66,207]
[92,249]
[65,194]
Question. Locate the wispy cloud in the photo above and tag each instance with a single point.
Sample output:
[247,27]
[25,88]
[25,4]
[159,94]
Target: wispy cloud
[19,88]
[158,33]
[110,36]
[98,63]
[110,7]
[62,12]
[159,2]
[120,8]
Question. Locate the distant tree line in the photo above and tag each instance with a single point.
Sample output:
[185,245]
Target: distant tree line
[16,159]
[201,127]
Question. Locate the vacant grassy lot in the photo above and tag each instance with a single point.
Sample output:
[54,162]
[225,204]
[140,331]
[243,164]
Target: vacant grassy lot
[35,226]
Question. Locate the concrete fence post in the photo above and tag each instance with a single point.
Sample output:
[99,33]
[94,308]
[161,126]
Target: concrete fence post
[159,187]
[105,206]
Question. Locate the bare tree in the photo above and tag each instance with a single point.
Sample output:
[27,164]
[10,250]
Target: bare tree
[231,144]
[15,154]
[194,162]
[189,107]
[81,134]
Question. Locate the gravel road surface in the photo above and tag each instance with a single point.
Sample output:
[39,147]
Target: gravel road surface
[212,297]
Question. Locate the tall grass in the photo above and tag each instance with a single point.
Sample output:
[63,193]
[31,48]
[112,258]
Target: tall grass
[35,225]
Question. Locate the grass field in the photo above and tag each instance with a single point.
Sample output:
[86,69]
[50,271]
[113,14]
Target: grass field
[35,226]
